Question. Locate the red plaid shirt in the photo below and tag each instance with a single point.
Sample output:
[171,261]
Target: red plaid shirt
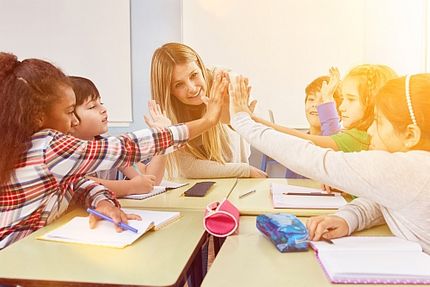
[51,175]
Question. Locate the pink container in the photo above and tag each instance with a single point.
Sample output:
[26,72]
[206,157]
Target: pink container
[221,218]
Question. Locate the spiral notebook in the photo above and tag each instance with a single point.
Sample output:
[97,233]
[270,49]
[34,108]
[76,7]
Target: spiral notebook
[373,260]
[158,189]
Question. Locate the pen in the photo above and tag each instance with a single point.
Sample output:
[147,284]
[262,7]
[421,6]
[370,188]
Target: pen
[327,240]
[105,217]
[247,193]
[136,168]
[309,194]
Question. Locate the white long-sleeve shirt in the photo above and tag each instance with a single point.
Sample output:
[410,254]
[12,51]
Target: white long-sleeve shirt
[392,187]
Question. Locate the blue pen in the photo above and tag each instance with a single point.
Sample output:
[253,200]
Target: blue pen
[105,217]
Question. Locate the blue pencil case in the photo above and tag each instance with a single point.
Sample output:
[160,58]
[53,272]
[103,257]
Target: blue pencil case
[285,231]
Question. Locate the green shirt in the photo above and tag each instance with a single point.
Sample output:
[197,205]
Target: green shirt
[351,140]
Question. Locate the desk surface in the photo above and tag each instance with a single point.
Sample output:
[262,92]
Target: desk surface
[158,258]
[175,199]
[260,201]
[250,259]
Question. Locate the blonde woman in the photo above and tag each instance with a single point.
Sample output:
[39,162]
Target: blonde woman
[179,83]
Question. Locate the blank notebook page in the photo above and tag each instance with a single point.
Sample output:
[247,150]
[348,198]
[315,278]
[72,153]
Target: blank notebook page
[384,259]
[376,265]
[160,218]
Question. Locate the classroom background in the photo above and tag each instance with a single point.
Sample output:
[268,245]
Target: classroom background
[279,45]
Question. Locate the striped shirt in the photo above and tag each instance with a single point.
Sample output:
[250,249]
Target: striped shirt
[51,175]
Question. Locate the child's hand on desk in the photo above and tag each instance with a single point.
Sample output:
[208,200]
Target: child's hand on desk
[256,173]
[327,227]
[330,189]
[142,183]
[107,208]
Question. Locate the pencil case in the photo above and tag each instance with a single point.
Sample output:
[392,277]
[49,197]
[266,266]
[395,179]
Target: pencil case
[221,218]
[284,230]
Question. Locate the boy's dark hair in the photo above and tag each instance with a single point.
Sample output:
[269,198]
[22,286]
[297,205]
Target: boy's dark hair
[84,89]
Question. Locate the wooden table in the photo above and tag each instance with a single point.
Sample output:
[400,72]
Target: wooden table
[158,258]
[174,199]
[260,201]
[250,259]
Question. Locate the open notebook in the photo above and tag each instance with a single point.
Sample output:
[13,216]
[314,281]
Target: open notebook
[159,218]
[291,196]
[373,260]
[77,230]
[164,185]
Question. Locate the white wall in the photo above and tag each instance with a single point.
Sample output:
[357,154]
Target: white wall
[89,38]
[282,45]
[153,23]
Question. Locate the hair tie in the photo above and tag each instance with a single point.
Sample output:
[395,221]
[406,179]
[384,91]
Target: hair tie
[22,79]
[408,99]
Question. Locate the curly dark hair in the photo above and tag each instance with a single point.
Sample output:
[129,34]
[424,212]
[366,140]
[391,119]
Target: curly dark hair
[27,91]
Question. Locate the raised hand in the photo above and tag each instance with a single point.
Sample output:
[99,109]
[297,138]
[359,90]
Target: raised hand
[217,93]
[328,227]
[156,118]
[239,94]
[328,89]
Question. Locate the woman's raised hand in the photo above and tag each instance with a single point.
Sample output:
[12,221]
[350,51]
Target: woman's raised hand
[156,118]
[215,101]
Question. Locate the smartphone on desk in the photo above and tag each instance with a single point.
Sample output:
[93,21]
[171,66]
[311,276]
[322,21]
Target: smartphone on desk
[199,189]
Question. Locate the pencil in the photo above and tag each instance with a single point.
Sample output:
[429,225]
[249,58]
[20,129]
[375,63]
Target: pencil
[309,193]
[247,193]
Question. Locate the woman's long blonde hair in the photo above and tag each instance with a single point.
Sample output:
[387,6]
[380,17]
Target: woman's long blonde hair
[214,144]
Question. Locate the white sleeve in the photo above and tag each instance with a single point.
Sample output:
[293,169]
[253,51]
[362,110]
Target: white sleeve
[404,179]
[360,214]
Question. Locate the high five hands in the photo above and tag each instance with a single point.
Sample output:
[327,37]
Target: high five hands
[239,93]
[217,94]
